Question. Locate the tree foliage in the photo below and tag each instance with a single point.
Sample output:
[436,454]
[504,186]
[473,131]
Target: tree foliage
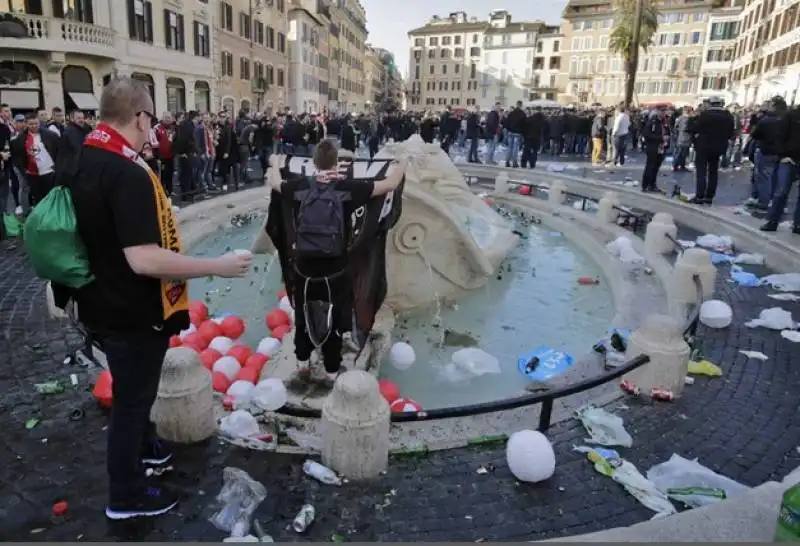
[621,37]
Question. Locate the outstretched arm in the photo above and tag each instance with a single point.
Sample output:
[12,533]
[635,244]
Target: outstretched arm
[382,187]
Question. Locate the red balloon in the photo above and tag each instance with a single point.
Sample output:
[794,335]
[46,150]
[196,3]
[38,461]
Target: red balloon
[247,374]
[281,293]
[200,309]
[524,190]
[227,402]
[256,361]
[102,389]
[232,327]
[209,356]
[277,318]
[240,353]
[389,390]
[281,331]
[175,341]
[195,341]
[220,382]
[208,330]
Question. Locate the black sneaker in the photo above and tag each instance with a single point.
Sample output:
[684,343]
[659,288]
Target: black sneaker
[153,501]
[769,226]
[158,454]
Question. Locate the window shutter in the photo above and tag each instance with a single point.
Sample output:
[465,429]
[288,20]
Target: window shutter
[88,11]
[58,9]
[181,45]
[131,19]
[148,18]
[167,30]
[207,41]
[196,38]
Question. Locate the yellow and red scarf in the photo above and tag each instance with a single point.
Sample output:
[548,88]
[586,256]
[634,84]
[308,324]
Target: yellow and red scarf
[174,293]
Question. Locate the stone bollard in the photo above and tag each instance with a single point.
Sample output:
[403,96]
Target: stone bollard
[501,183]
[557,189]
[693,261]
[355,427]
[606,212]
[660,338]
[184,409]
[656,240]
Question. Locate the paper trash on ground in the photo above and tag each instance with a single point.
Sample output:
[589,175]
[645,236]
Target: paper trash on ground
[604,428]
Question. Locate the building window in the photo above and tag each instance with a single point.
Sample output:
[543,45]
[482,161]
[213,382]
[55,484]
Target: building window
[431,69]
[270,75]
[457,40]
[74,10]
[280,78]
[444,69]
[433,41]
[556,45]
[173,25]
[226,16]
[258,32]
[140,20]
[458,53]
[227,64]
[176,95]
[419,42]
[244,68]
[281,6]
[202,47]
[281,42]
[445,40]
[270,37]
[245,25]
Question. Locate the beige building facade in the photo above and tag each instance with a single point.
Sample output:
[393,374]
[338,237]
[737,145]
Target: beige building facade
[309,23]
[251,62]
[667,72]
[349,90]
[62,53]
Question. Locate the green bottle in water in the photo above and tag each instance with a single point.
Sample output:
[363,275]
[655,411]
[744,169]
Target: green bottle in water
[788,528]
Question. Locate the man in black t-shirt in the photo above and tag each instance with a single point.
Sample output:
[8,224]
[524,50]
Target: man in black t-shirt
[139,297]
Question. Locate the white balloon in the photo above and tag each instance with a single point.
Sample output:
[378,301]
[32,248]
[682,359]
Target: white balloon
[270,394]
[241,391]
[188,331]
[269,346]
[221,344]
[228,366]
[530,456]
[716,314]
[402,356]
[286,306]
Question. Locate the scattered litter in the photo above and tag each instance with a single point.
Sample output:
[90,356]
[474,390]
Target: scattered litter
[784,297]
[33,422]
[609,463]
[468,363]
[237,500]
[50,387]
[783,282]
[716,314]
[718,243]
[604,428]
[758,355]
[688,380]
[60,508]
[304,440]
[717,258]
[622,248]
[774,318]
[744,278]
[485,469]
[241,428]
[73,379]
[687,244]
[691,483]
[304,518]
[791,335]
[556,168]
[704,367]
[321,473]
[37,530]
[629,387]
[749,259]
[662,395]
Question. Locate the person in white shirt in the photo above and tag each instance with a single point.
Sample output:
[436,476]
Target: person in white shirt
[622,127]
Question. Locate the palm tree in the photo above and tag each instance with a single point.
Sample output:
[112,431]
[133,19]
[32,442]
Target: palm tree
[623,36]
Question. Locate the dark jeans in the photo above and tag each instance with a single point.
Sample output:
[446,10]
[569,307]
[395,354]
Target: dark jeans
[619,149]
[318,291]
[681,154]
[530,153]
[135,361]
[374,144]
[766,169]
[706,163]
[263,158]
[651,167]
[187,176]
[786,174]
[167,174]
[472,157]
[39,187]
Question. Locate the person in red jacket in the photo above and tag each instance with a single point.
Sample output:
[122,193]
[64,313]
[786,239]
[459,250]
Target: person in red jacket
[165,132]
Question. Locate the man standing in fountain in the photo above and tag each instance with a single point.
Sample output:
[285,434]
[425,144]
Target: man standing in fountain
[139,297]
[322,206]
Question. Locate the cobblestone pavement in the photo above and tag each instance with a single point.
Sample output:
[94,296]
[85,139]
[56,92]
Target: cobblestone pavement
[745,425]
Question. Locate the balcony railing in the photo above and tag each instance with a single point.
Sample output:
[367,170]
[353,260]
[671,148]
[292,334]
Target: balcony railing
[62,35]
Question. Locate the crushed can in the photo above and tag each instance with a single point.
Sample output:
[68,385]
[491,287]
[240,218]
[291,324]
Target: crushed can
[304,518]
[629,387]
[662,395]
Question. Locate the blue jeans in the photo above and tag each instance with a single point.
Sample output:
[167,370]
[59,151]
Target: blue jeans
[681,154]
[786,174]
[206,176]
[619,148]
[491,146]
[766,177]
[473,150]
[135,360]
[513,141]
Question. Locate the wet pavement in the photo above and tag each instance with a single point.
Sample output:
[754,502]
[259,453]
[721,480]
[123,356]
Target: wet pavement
[745,425]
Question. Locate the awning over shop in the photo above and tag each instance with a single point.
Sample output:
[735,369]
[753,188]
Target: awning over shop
[21,99]
[85,101]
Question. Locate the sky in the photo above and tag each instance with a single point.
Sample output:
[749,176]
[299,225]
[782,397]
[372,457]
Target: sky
[388,25]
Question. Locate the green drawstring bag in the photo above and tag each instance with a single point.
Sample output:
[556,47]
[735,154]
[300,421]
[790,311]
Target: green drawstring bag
[13,227]
[54,247]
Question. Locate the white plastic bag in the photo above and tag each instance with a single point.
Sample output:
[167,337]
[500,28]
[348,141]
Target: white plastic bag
[475,362]
[622,248]
[749,259]
[237,500]
[239,424]
[604,428]
[692,483]
[783,282]
[774,318]
[717,243]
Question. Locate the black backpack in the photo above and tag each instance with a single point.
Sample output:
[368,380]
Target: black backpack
[320,223]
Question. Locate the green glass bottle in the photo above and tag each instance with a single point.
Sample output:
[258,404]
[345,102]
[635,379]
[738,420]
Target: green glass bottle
[788,527]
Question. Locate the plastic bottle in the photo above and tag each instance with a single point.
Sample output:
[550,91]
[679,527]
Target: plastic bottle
[321,473]
[788,525]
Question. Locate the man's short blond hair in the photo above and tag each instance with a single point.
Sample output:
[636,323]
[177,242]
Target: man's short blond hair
[122,99]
